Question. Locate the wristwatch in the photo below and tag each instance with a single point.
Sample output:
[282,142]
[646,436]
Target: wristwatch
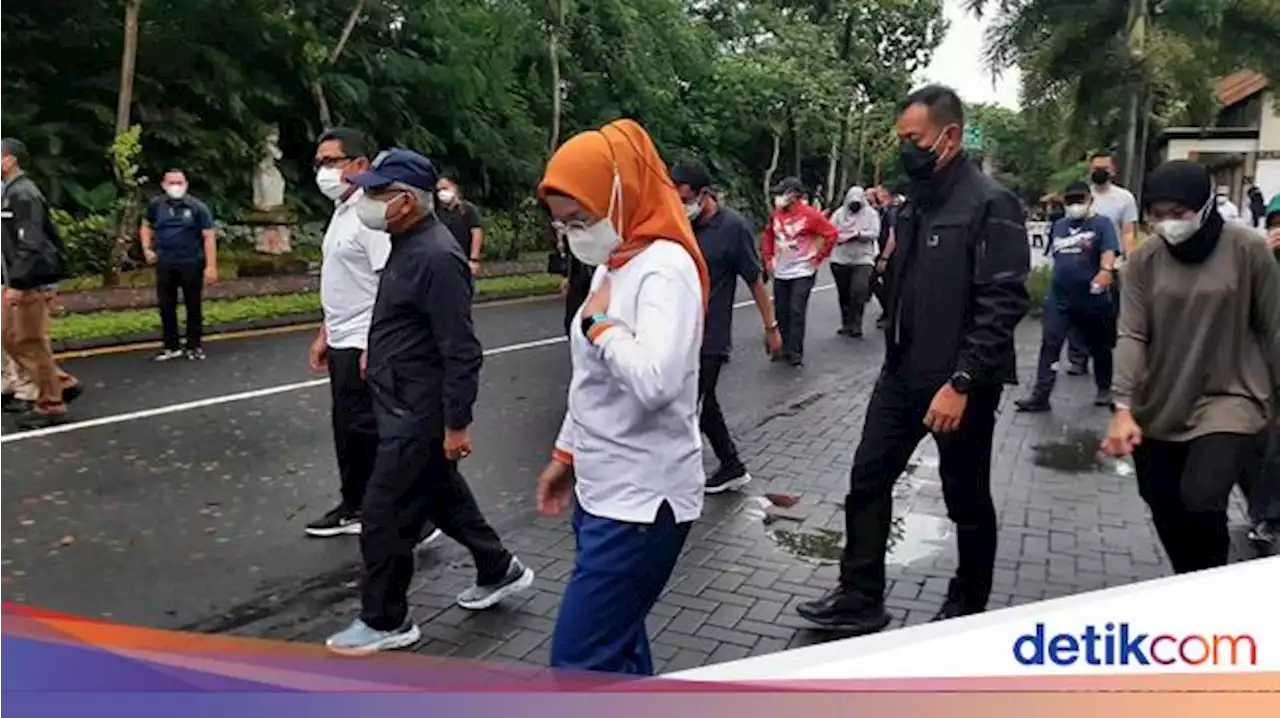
[961,381]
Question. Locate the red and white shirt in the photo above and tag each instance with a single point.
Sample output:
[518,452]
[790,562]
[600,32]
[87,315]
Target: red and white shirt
[798,238]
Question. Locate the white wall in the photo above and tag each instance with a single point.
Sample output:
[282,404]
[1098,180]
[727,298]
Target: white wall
[1267,178]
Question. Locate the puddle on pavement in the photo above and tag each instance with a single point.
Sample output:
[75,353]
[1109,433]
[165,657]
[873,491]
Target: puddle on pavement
[912,535]
[1077,453]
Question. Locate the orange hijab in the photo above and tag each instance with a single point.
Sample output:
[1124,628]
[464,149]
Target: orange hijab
[650,207]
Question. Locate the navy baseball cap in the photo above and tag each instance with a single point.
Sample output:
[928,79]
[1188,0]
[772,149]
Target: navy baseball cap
[398,165]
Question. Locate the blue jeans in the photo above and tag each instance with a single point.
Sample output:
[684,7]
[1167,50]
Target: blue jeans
[619,571]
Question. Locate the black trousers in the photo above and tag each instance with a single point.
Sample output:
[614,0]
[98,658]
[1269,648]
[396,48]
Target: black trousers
[790,310]
[1077,346]
[1059,323]
[1187,484]
[894,426]
[189,279]
[355,433]
[853,289]
[413,483]
[711,417]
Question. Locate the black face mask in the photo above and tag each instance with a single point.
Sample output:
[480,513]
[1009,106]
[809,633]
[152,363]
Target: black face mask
[1100,176]
[855,206]
[919,162]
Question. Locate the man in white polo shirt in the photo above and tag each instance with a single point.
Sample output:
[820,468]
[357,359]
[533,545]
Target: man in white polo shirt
[353,258]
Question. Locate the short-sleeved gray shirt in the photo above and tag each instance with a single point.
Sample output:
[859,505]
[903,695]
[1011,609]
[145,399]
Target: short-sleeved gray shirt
[1116,204]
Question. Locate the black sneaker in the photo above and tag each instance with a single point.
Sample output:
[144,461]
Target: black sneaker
[844,332]
[1078,369]
[72,393]
[341,520]
[41,420]
[196,354]
[957,604]
[846,611]
[167,355]
[1032,404]
[1103,398]
[1263,533]
[517,579]
[728,477]
[795,360]
[430,534]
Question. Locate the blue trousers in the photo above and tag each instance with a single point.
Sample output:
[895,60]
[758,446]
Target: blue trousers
[619,571]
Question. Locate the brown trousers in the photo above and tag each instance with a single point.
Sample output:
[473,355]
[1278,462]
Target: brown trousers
[25,335]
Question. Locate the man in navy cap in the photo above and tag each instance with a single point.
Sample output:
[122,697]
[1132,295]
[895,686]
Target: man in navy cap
[423,370]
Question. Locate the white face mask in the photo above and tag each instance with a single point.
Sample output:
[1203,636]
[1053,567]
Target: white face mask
[593,245]
[1177,231]
[372,213]
[175,191]
[1077,211]
[446,196]
[781,201]
[329,181]
[693,209]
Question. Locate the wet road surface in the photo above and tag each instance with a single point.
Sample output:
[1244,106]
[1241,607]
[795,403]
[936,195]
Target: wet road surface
[173,519]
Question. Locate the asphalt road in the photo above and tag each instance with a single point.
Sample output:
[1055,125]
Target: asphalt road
[184,503]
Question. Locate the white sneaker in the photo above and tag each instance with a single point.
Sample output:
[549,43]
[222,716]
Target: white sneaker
[518,578]
[359,639]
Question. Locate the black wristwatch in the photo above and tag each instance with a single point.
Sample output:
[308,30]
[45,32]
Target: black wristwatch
[590,321]
[961,382]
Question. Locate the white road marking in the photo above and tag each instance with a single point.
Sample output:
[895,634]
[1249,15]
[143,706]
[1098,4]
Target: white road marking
[258,393]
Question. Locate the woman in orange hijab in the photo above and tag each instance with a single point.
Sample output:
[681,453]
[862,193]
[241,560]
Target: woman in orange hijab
[629,448]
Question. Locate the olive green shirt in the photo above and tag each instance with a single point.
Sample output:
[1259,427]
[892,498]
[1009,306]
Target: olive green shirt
[1198,345]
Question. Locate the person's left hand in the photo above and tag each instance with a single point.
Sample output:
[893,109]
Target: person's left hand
[772,340]
[457,444]
[555,488]
[598,302]
[475,267]
[946,410]
[1102,278]
[210,275]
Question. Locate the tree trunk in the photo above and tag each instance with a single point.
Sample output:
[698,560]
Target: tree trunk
[1135,37]
[128,209]
[838,143]
[1131,137]
[862,146]
[773,167]
[1141,165]
[553,50]
[795,145]
[317,85]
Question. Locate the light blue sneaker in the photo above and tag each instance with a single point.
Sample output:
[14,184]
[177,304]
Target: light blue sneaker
[518,578]
[359,639]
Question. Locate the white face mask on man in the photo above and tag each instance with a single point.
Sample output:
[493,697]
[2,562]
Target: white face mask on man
[372,213]
[176,191]
[781,201]
[329,182]
[593,245]
[1079,210]
[446,196]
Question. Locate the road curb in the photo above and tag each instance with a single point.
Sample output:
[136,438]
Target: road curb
[214,332]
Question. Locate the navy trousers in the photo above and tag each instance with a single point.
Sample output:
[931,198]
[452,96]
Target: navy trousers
[619,571]
[1096,330]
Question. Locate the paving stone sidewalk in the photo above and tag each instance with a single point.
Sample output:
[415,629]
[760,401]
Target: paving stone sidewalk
[1069,522]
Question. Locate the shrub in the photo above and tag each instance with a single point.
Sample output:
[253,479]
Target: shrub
[86,241]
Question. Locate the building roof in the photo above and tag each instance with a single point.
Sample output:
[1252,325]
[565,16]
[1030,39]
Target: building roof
[1239,86]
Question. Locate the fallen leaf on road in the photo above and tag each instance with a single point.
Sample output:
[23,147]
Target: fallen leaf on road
[66,540]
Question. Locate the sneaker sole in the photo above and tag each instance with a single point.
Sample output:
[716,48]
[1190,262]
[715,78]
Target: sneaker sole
[390,643]
[348,529]
[516,586]
[852,629]
[731,485]
[431,538]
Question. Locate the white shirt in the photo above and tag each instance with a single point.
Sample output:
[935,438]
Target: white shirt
[632,423]
[353,257]
[859,235]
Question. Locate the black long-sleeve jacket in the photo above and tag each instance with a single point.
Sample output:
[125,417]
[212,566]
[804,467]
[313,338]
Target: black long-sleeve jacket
[33,252]
[956,282]
[424,359]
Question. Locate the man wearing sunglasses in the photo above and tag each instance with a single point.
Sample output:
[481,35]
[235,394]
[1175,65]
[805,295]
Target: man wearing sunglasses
[354,256]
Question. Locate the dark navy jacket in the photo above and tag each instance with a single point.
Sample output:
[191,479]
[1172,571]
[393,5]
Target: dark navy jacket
[179,225]
[424,359]
[955,288]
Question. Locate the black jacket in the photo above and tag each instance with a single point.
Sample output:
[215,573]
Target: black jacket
[33,252]
[956,282]
[424,359]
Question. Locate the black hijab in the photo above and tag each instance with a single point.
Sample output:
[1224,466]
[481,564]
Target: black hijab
[1188,184]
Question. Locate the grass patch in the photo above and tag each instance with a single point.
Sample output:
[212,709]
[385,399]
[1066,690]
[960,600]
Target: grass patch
[1038,286]
[103,325]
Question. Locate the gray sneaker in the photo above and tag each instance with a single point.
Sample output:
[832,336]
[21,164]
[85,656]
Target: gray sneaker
[518,578]
[359,639]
